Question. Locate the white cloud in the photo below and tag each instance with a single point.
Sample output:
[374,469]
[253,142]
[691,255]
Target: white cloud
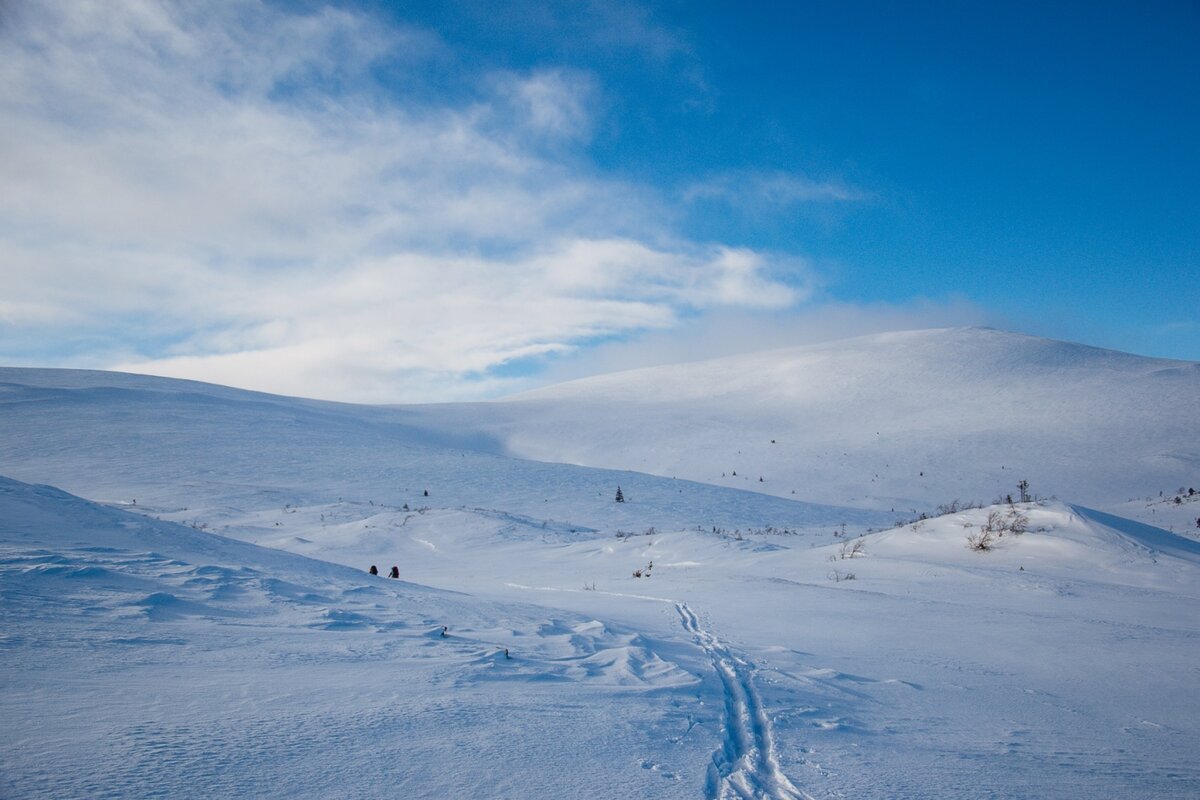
[751,188]
[409,314]
[552,102]
[184,187]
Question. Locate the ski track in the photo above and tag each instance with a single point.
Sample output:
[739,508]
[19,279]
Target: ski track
[745,766]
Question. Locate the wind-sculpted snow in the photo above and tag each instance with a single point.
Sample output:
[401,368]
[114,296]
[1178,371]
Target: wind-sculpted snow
[583,651]
[181,663]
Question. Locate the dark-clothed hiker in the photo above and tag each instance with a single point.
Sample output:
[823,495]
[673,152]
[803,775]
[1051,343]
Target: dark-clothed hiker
[395,572]
[373,570]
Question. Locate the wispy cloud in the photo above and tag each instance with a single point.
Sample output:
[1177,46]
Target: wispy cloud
[550,103]
[730,331]
[230,193]
[753,188]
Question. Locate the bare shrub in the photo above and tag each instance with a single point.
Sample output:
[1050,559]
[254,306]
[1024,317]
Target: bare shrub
[999,523]
[983,539]
[852,549]
[955,506]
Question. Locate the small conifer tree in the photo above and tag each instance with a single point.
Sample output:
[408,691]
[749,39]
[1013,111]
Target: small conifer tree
[620,497]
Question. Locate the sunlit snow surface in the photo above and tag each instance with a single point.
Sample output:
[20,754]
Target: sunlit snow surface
[900,420]
[183,639]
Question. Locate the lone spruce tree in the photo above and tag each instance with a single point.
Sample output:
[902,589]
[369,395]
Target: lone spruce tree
[620,496]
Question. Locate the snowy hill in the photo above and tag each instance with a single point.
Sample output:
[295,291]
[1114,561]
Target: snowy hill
[900,420]
[899,423]
[711,637]
[189,449]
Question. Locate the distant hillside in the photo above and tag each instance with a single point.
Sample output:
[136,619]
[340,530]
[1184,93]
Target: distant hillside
[910,419]
[180,445]
[898,422]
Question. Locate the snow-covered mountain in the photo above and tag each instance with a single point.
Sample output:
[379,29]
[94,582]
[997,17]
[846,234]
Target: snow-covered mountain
[712,636]
[899,420]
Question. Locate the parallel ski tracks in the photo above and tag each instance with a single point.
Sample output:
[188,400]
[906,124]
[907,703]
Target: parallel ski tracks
[745,766]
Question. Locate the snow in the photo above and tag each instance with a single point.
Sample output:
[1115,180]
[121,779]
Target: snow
[904,420]
[203,622]
[142,658]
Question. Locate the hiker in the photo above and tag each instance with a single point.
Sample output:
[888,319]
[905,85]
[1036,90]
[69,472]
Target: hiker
[373,570]
[395,572]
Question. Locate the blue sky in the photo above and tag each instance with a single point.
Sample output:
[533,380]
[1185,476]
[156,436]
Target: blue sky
[419,201]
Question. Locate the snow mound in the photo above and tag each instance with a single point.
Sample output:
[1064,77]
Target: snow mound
[1047,538]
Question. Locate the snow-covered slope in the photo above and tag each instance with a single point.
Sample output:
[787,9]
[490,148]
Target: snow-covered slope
[142,658]
[177,446]
[697,640]
[899,420]
[145,659]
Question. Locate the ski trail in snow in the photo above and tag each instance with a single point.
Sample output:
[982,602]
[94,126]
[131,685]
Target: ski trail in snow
[745,766]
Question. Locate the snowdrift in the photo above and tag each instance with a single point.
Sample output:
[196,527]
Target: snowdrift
[1044,539]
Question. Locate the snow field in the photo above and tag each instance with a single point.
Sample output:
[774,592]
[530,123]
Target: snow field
[759,655]
[902,421]
[136,666]
[935,662]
